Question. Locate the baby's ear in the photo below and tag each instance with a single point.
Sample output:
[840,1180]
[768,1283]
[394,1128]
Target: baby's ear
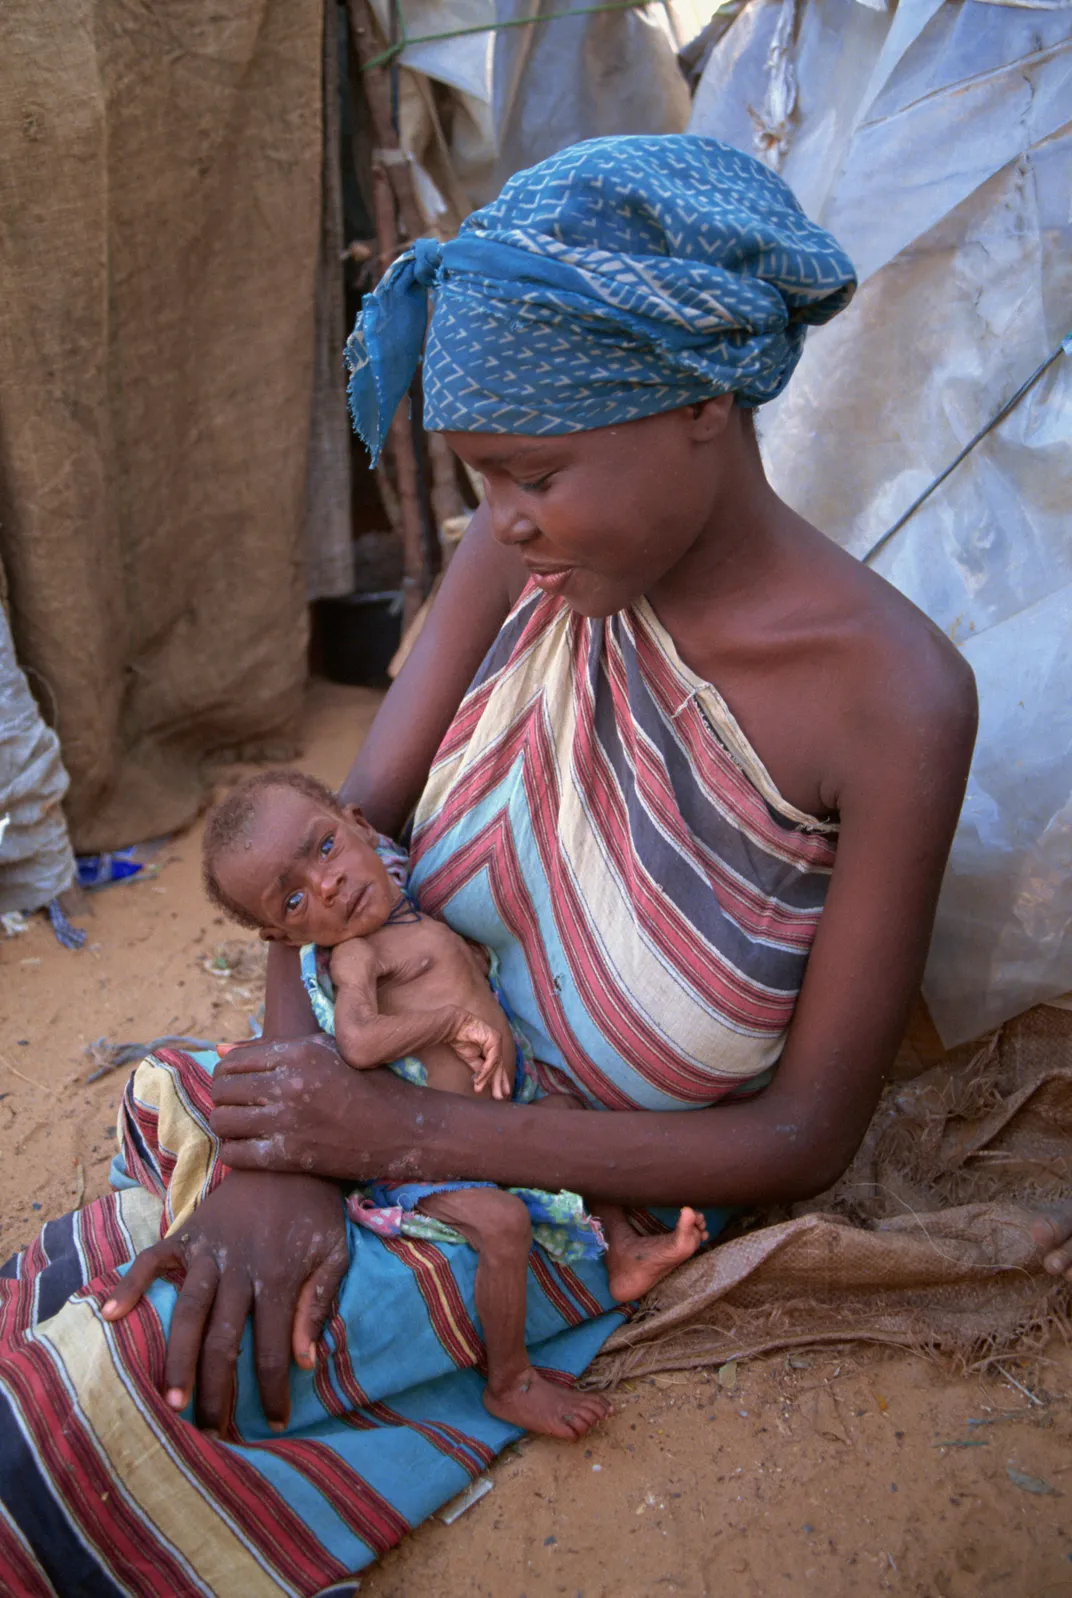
[272,934]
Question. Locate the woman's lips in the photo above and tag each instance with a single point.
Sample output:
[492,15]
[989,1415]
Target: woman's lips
[552,579]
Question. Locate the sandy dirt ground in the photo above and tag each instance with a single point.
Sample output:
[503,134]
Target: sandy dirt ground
[834,1473]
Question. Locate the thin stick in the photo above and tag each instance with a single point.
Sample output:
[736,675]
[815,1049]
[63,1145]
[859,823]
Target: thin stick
[16,1072]
[1020,1387]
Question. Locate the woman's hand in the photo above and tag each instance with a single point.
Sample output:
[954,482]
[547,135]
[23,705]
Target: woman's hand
[274,1247]
[297,1106]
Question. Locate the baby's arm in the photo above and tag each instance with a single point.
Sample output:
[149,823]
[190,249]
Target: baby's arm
[367,1038]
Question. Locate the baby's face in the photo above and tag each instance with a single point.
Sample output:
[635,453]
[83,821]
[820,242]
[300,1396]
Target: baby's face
[307,874]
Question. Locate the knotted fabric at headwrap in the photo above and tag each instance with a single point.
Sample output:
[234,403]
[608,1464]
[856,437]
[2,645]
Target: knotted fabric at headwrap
[619,278]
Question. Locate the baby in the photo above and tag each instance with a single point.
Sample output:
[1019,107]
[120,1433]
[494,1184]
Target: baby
[282,854]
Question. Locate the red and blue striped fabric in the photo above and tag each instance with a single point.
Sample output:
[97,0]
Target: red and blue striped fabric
[596,816]
[105,1491]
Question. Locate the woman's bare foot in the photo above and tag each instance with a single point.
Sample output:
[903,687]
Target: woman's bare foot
[537,1405]
[635,1266]
[1052,1231]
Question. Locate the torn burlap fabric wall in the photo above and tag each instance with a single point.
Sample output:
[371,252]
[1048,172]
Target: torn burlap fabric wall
[160,196]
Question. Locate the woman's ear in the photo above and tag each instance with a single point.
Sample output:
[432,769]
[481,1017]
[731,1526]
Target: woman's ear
[710,417]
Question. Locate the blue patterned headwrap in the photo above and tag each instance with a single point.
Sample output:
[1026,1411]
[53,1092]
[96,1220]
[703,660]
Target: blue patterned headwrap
[619,278]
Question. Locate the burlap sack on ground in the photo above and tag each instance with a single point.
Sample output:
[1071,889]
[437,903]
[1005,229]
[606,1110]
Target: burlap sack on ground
[924,1243]
[160,192]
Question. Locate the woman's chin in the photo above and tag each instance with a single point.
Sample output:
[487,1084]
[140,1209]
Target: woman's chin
[597,600]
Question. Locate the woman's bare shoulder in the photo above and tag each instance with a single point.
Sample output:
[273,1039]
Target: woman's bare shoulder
[908,702]
[905,658]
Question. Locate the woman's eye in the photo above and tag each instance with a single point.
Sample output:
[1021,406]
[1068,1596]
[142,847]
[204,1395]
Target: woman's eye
[292,903]
[326,845]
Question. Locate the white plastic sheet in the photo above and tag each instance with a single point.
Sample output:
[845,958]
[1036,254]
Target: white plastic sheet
[935,141]
[520,94]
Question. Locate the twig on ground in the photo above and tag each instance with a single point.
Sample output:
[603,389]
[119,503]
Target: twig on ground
[1020,1387]
[110,1056]
[16,1072]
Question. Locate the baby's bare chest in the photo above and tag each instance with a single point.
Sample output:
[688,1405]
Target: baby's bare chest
[424,963]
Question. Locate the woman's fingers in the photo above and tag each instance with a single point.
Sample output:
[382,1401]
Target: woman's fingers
[314,1306]
[256,1154]
[244,1120]
[133,1286]
[245,1057]
[271,1354]
[220,1342]
[248,1089]
[188,1320]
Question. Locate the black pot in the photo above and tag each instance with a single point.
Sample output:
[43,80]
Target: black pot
[358,636]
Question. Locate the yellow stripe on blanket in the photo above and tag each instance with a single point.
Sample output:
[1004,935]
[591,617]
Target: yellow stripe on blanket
[182,1137]
[141,1456]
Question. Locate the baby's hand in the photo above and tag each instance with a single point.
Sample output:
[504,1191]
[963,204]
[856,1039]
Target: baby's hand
[480,1046]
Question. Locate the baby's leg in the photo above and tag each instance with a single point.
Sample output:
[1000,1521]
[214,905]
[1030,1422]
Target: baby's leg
[635,1263]
[498,1227]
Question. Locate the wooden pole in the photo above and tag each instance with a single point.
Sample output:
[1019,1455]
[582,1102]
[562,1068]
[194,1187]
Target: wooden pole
[394,201]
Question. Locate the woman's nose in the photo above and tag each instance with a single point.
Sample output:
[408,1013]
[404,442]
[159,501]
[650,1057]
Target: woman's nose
[509,524]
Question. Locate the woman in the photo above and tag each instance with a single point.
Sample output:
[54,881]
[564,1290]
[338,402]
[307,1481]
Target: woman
[713,898]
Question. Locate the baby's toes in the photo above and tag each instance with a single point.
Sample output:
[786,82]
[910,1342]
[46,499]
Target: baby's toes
[1052,1230]
[1059,1261]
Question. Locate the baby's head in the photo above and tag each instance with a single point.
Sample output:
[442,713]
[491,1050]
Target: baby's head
[281,854]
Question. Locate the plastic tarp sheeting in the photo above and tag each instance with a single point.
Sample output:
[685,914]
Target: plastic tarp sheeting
[522,93]
[935,141]
[36,861]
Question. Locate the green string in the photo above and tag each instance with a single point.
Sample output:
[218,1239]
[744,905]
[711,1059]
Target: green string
[403,42]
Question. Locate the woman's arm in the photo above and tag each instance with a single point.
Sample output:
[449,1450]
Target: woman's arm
[905,766]
[476,596]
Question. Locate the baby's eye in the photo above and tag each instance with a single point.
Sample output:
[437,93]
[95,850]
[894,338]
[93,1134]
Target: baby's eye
[538,486]
[293,903]
[326,845]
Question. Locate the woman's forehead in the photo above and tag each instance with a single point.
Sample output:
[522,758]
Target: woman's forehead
[507,449]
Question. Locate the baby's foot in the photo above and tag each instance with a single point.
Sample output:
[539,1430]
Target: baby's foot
[1052,1231]
[537,1405]
[634,1268]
